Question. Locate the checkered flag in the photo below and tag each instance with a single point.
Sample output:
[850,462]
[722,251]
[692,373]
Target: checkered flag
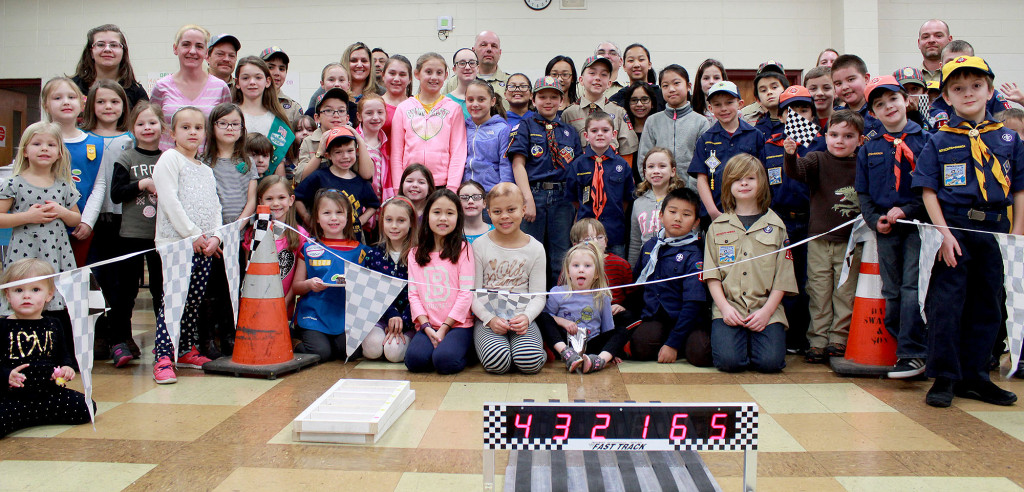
[176,261]
[232,234]
[800,129]
[924,104]
[260,228]
[931,240]
[504,304]
[1013,281]
[368,295]
[85,304]
[859,233]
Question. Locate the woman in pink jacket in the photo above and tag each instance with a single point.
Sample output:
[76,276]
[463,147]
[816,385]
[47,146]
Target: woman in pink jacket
[429,128]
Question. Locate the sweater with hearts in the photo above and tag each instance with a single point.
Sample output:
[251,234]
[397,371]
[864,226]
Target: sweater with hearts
[436,139]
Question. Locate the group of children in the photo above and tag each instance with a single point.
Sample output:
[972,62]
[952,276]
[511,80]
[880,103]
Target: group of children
[538,214]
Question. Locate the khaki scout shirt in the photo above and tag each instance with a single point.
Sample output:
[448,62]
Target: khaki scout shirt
[307,149]
[576,115]
[292,109]
[747,285]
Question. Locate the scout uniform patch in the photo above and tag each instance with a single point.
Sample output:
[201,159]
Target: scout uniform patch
[954,174]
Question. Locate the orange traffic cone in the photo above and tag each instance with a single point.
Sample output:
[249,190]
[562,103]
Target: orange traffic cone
[262,341]
[870,349]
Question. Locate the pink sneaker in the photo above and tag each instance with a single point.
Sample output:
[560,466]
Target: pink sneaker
[163,373]
[192,360]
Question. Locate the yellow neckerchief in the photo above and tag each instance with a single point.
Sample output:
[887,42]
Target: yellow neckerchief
[428,107]
[980,153]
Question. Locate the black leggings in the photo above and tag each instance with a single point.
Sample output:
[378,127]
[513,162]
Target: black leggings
[609,341]
[26,407]
[651,335]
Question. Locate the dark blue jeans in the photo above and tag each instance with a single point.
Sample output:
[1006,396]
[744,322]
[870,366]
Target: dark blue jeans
[735,348]
[963,303]
[551,227]
[898,264]
[449,357]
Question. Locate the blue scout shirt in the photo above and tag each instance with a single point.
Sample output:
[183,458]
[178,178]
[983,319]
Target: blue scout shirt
[528,138]
[357,190]
[788,194]
[876,176]
[683,300]
[618,187]
[325,311]
[86,155]
[715,147]
[946,166]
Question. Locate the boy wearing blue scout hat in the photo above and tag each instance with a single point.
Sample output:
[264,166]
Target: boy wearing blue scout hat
[968,173]
[541,149]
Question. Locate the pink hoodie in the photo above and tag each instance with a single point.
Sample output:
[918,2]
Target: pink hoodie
[436,140]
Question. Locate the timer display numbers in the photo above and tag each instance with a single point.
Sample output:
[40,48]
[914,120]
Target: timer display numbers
[621,426]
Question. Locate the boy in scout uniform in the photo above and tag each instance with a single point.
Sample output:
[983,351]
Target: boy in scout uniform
[969,172]
[542,147]
[748,325]
[278,61]
[595,79]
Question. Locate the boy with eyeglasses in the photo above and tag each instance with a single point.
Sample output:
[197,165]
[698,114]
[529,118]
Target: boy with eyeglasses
[330,111]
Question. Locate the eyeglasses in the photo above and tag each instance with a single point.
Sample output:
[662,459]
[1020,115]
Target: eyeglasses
[104,45]
[517,88]
[335,112]
[588,240]
[467,63]
[560,74]
[640,100]
[474,197]
[224,125]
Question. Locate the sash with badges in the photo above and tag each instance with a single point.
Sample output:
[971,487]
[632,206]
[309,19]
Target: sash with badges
[282,137]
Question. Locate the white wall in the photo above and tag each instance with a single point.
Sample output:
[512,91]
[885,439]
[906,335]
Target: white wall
[45,38]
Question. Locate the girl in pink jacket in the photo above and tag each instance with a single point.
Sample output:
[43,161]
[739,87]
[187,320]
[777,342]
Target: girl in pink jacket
[430,129]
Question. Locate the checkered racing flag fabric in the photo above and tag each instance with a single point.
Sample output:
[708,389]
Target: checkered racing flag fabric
[1013,281]
[176,259]
[232,234]
[931,240]
[85,303]
[367,295]
[504,304]
[800,129]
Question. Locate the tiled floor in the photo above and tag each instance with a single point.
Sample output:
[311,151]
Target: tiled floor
[818,431]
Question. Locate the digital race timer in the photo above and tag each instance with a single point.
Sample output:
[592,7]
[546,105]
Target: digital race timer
[621,426]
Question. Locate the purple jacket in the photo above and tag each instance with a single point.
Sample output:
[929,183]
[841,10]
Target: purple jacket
[486,162]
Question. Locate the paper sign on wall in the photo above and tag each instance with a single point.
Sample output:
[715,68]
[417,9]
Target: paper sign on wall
[3,137]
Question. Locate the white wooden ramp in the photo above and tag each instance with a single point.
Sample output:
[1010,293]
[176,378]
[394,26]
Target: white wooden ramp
[354,411]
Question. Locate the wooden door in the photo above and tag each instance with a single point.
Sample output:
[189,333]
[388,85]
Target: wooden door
[13,120]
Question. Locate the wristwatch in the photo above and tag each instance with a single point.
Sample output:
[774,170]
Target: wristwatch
[318,155]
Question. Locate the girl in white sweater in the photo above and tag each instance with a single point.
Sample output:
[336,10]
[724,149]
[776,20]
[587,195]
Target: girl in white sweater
[187,208]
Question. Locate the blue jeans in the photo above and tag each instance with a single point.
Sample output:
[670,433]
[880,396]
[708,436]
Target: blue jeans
[898,254]
[448,358]
[551,227]
[735,348]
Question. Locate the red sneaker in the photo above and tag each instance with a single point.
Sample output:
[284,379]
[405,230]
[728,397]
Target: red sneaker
[192,360]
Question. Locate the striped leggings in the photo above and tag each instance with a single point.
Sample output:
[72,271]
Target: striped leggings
[498,353]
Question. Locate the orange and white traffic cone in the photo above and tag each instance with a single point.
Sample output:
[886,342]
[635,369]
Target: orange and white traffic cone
[870,349]
[262,341]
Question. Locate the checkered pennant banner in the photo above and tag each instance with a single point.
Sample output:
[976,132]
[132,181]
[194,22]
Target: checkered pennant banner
[367,295]
[1013,281]
[504,304]
[800,129]
[232,234]
[176,260]
[931,240]
[85,303]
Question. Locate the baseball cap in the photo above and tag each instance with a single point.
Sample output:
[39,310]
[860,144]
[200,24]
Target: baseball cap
[597,59]
[965,62]
[547,83]
[338,135]
[878,84]
[909,75]
[933,85]
[723,86]
[336,93]
[272,51]
[771,65]
[225,38]
[795,93]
